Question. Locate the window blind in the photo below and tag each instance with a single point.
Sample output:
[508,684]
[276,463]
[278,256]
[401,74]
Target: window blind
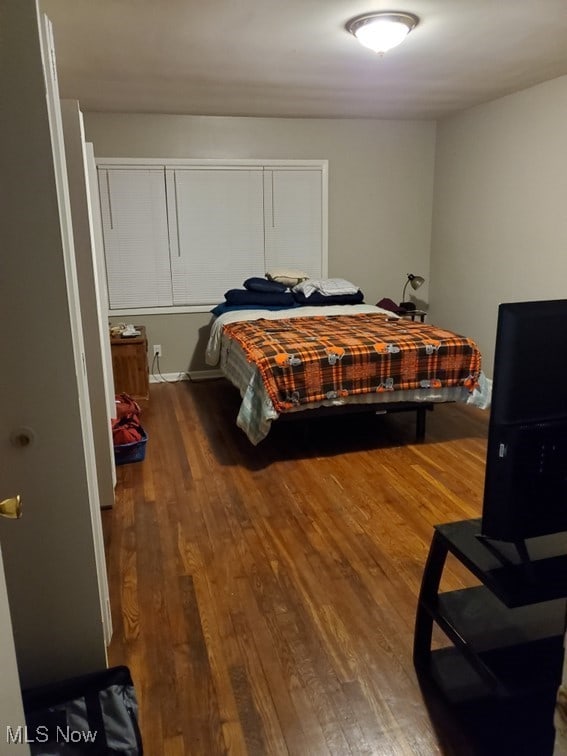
[134,219]
[293,220]
[217,231]
[181,233]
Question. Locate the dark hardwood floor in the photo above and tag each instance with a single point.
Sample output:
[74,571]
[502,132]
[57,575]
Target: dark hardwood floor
[264,597]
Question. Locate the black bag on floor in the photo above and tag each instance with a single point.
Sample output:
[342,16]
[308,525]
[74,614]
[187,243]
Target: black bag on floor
[95,714]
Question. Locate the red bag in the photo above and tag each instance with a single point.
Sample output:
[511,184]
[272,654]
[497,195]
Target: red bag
[126,427]
[128,433]
[126,406]
[126,430]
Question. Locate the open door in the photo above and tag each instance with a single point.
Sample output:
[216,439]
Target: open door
[50,557]
[12,713]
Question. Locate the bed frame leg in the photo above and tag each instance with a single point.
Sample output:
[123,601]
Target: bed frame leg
[420,424]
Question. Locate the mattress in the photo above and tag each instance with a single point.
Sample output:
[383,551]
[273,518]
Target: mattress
[258,410]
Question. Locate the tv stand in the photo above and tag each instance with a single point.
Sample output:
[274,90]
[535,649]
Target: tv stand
[506,561]
[504,637]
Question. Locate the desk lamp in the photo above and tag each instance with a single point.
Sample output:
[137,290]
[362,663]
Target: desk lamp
[415,282]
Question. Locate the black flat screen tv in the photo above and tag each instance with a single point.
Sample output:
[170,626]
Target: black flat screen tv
[525,489]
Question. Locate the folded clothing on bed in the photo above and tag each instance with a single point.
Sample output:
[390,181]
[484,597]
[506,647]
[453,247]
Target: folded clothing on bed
[223,307]
[286,276]
[246,297]
[317,298]
[262,284]
[329,286]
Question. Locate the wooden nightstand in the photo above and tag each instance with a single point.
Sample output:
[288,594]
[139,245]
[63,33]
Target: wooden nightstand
[130,365]
[414,314]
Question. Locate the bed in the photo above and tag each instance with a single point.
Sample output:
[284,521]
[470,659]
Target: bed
[340,357]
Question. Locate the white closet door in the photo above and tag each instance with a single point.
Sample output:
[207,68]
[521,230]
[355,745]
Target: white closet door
[85,319]
[100,273]
[94,319]
[216,227]
[134,218]
[293,220]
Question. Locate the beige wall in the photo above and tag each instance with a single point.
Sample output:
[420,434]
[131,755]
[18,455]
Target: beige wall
[499,222]
[498,232]
[380,194]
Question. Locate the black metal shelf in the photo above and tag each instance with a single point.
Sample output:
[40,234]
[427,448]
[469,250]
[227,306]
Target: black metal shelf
[506,634]
[479,624]
[516,584]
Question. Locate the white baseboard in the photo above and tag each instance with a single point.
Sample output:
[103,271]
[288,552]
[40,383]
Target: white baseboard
[195,375]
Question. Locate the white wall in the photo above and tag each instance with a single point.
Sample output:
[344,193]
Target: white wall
[499,221]
[380,194]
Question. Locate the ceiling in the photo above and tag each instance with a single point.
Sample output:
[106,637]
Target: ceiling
[294,58]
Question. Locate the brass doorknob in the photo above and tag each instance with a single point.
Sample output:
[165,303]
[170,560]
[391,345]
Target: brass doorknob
[11,508]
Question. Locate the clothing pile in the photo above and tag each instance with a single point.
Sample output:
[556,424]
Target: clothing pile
[126,428]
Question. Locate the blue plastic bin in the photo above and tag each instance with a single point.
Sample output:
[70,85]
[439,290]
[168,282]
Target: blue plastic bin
[134,452]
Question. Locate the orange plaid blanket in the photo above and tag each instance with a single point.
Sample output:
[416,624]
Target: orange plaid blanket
[312,359]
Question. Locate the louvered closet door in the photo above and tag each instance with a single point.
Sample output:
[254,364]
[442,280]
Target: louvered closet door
[216,228]
[293,219]
[136,246]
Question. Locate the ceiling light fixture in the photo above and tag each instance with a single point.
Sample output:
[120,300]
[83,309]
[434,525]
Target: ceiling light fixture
[383,30]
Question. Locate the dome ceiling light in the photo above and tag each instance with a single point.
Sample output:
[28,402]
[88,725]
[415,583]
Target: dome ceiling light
[382,30]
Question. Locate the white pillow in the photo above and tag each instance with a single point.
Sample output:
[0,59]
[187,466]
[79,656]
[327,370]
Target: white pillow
[286,277]
[326,286]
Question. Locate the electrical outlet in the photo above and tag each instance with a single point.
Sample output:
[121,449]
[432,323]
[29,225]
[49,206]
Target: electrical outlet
[157,350]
